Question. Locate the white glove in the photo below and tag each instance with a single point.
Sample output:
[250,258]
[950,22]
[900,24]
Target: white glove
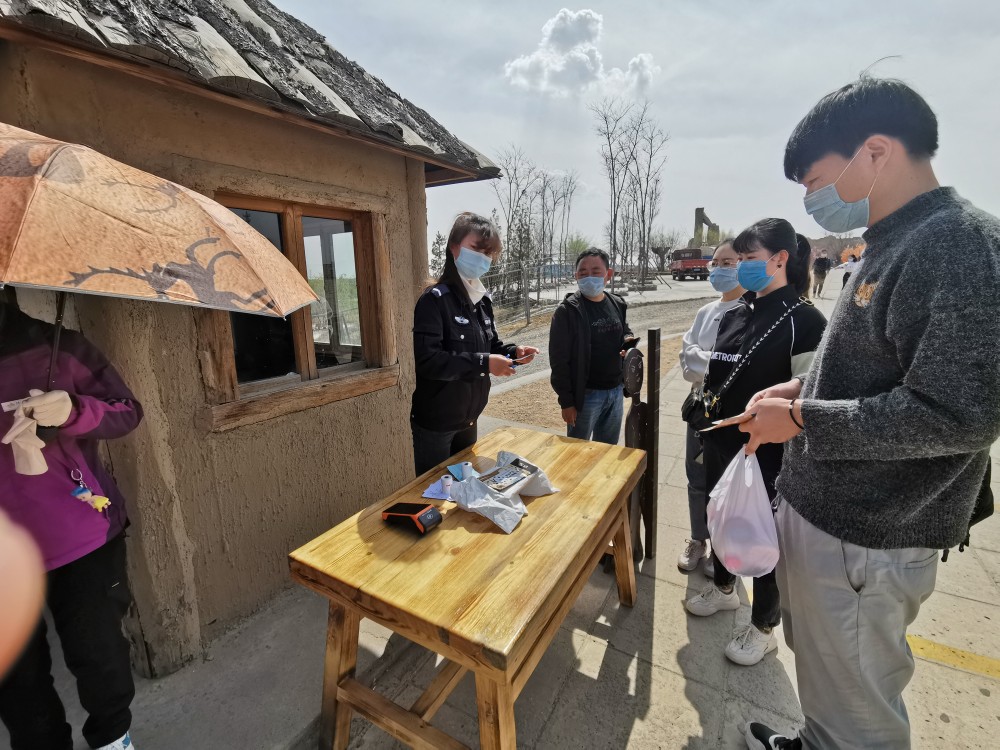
[50,409]
[27,446]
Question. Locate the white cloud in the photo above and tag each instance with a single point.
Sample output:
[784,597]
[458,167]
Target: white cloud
[568,60]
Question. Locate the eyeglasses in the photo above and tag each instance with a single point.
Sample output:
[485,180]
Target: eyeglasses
[727,263]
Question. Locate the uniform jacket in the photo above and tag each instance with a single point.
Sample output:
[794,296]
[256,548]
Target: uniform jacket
[64,527]
[569,348]
[452,343]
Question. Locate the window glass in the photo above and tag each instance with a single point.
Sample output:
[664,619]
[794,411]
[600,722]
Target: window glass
[330,269]
[264,346]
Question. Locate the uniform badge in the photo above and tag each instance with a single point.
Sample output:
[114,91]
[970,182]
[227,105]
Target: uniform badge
[863,295]
[461,321]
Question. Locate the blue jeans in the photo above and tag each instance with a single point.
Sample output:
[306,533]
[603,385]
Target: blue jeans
[600,419]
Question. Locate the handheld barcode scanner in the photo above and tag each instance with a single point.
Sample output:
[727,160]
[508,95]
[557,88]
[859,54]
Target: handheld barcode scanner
[417,516]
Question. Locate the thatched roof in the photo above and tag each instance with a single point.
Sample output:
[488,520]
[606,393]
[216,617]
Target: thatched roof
[254,50]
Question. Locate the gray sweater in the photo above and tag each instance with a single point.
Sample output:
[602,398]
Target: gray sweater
[902,402]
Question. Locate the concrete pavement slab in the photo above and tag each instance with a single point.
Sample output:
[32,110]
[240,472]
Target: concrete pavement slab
[960,623]
[951,709]
[617,700]
[965,575]
[659,630]
[670,542]
[990,562]
[591,602]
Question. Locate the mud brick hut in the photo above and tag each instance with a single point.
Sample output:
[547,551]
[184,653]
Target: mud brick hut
[259,434]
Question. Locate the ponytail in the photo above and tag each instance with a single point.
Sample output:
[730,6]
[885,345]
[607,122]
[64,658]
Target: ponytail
[798,266]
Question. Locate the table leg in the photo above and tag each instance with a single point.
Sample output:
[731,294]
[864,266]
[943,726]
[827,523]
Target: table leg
[341,662]
[624,566]
[496,715]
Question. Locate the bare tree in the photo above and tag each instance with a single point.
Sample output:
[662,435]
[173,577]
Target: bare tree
[515,193]
[613,118]
[645,169]
[567,188]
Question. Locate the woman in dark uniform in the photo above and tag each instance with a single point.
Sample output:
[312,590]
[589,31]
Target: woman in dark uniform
[456,347]
[768,339]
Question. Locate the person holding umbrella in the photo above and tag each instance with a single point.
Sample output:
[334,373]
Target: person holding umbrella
[456,346]
[51,474]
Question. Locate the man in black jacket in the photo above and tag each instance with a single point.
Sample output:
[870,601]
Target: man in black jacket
[586,344]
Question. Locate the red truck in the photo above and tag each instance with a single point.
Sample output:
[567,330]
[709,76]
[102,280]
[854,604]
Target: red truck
[689,262]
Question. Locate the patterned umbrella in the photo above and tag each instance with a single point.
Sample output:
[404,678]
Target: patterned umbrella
[75,220]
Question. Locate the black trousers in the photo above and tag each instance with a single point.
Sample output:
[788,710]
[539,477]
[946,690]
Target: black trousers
[87,599]
[431,447]
[720,448]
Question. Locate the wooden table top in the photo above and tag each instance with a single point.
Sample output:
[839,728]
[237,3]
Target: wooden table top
[467,589]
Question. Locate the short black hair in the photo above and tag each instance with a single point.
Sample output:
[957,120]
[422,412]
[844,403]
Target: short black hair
[595,252]
[842,120]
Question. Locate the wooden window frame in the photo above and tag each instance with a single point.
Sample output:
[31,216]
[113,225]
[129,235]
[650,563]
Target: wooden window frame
[232,404]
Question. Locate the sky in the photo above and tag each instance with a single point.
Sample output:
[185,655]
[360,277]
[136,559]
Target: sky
[727,81]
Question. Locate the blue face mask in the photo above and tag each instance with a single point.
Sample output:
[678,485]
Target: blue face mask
[591,286]
[470,264]
[724,279]
[835,214]
[752,275]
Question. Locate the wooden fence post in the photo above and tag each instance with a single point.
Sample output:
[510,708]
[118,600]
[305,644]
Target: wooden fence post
[651,480]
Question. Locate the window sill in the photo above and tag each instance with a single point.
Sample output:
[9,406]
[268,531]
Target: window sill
[290,398]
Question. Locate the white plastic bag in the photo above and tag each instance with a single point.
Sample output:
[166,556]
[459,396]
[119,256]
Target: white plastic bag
[740,520]
[506,508]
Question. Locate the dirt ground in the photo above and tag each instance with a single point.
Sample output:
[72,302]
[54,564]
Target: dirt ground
[535,403]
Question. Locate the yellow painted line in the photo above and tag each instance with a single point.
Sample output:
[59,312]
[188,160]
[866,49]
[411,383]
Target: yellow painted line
[954,657]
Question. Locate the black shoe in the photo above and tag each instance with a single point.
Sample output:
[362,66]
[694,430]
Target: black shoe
[761,737]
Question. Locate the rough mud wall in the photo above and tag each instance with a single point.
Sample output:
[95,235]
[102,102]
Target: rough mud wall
[216,514]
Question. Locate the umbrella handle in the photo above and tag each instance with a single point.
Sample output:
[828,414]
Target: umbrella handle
[60,310]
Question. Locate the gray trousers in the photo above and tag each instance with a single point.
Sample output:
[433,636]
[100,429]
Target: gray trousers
[694,467]
[845,610]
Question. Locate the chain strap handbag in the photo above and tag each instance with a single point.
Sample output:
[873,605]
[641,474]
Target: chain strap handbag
[710,400]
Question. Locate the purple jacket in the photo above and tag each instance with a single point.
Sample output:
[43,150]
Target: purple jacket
[64,527]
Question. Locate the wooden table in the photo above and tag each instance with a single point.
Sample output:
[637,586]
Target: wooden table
[484,600]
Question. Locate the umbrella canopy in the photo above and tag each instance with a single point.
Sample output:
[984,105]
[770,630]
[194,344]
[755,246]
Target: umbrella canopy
[75,220]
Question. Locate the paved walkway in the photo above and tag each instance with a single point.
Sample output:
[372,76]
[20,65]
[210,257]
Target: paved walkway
[614,677]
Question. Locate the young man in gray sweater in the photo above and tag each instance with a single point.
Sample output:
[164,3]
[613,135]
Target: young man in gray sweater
[888,434]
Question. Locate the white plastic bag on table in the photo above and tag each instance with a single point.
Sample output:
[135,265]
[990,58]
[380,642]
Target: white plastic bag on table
[506,508]
[740,520]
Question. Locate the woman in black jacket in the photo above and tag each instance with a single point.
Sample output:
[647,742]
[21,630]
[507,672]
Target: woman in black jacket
[456,347]
[767,340]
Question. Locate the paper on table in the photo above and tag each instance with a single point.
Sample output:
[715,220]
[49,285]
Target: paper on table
[436,492]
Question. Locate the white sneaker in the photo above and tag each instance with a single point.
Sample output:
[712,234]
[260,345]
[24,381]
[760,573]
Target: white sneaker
[712,600]
[708,567]
[750,645]
[693,554]
[122,743]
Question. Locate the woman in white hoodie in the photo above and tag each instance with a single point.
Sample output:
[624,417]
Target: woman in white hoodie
[696,351]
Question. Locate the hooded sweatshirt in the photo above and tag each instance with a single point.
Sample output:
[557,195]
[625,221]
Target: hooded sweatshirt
[64,527]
